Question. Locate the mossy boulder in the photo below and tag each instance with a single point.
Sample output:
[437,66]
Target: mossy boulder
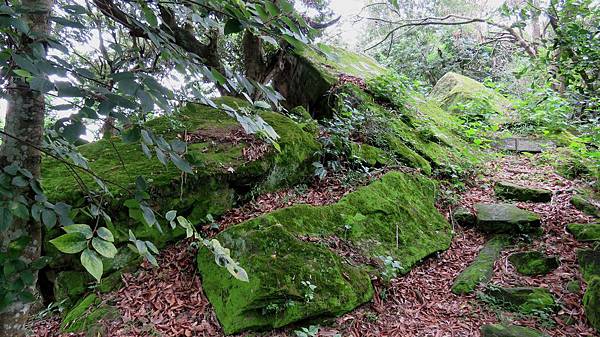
[502,330]
[453,90]
[524,300]
[87,316]
[509,191]
[223,173]
[591,302]
[585,204]
[481,270]
[585,232]
[505,218]
[309,74]
[589,263]
[393,216]
[464,217]
[533,263]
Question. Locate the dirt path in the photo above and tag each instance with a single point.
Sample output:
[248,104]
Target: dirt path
[168,301]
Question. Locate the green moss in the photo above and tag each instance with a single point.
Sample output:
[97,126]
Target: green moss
[335,61]
[501,330]
[510,191]
[70,285]
[591,302]
[87,315]
[453,89]
[369,155]
[480,271]
[222,175]
[589,263]
[523,300]
[584,204]
[533,263]
[585,232]
[277,263]
[573,286]
[393,216]
[463,217]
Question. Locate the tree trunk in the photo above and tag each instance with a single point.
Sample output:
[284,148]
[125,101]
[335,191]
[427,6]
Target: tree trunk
[24,121]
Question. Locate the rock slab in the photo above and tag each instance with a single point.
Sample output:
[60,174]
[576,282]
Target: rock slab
[501,330]
[505,218]
[524,300]
[533,263]
[509,191]
[585,232]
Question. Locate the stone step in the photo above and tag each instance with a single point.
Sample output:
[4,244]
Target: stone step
[585,232]
[509,191]
[523,300]
[502,330]
[533,263]
[480,271]
[585,205]
[523,145]
[505,218]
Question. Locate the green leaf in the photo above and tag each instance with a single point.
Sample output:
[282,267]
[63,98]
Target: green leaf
[148,215]
[150,16]
[233,26]
[70,243]
[181,164]
[6,218]
[19,210]
[49,218]
[151,247]
[105,234]
[104,248]
[22,73]
[79,228]
[218,77]
[273,10]
[170,216]
[92,263]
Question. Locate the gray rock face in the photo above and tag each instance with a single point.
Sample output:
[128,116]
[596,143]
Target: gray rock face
[463,217]
[510,191]
[500,330]
[505,218]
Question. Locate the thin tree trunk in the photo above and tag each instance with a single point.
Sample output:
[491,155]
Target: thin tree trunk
[25,121]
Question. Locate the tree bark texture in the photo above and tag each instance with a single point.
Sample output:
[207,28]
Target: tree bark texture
[24,121]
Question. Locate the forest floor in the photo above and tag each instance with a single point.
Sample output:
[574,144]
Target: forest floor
[168,301]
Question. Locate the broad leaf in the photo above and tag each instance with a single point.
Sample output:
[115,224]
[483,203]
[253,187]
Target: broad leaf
[79,228]
[70,243]
[105,234]
[104,248]
[92,263]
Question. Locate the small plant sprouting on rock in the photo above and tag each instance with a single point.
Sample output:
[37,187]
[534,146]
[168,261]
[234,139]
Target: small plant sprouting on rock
[392,267]
[309,291]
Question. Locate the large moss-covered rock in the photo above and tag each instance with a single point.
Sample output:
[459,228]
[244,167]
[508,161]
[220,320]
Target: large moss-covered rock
[591,302]
[524,300]
[510,191]
[501,330]
[585,232]
[223,172]
[505,218]
[310,73]
[393,216]
[533,263]
[454,89]
[481,270]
